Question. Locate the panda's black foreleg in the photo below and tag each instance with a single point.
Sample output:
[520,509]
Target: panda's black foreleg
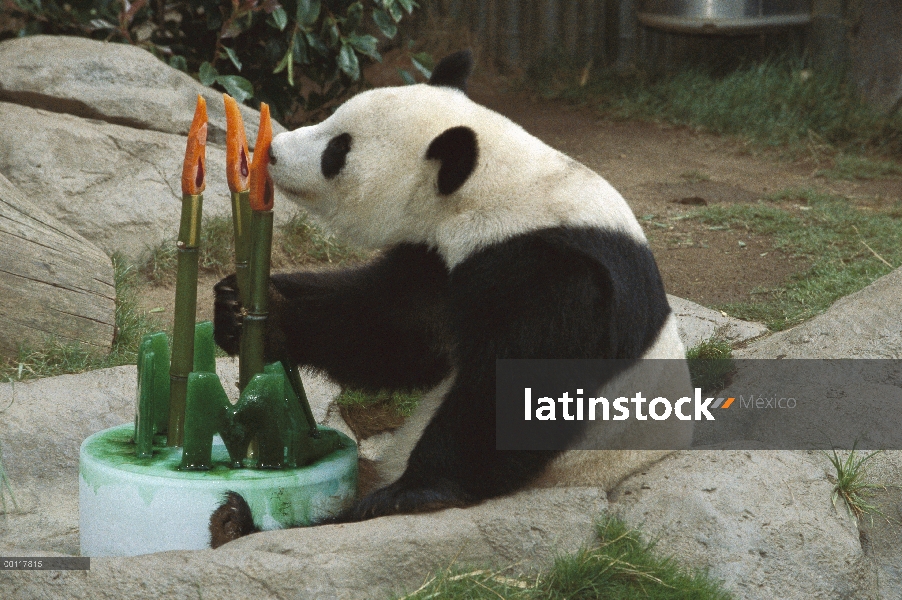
[379,325]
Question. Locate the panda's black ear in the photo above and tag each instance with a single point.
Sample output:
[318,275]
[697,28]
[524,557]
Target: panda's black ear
[453,70]
[457,150]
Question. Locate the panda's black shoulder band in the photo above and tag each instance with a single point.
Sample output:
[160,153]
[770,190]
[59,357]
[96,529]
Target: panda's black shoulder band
[453,70]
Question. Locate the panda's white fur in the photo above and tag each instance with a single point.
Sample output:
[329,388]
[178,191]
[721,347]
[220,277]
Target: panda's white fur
[386,194]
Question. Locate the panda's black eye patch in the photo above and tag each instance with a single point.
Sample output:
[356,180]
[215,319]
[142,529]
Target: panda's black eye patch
[333,159]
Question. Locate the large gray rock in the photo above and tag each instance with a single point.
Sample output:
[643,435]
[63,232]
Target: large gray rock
[93,133]
[52,280]
[698,324]
[116,186]
[866,324]
[363,560]
[761,522]
[117,83]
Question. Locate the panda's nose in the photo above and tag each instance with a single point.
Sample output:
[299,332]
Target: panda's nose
[272,156]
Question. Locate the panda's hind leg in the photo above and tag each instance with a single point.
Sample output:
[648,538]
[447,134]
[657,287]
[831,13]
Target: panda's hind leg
[454,463]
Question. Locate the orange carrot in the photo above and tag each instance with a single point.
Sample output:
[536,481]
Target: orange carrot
[194,169]
[237,162]
[261,184]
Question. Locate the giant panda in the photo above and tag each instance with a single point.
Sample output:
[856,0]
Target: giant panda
[493,245]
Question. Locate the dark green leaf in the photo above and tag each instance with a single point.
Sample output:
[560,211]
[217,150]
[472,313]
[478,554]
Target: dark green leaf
[207,73]
[406,77]
[300,50]
[355,16]
[232,57]
[407,4]
[347,62]
[280,19]
[178,62]
[283,63]
[365,44]
[237,87]
[317,44]
[426,72]
[330,32]
[308,12]
[394,10]
[385,24]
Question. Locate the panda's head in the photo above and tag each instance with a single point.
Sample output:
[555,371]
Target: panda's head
[381,169]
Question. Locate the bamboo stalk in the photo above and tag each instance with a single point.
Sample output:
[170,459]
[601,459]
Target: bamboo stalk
[185,310]
[182,360]
[241,221]
[253,332]
[238,176]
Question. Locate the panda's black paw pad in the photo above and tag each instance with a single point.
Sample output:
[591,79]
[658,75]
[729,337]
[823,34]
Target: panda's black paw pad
[228,315]
[396,499]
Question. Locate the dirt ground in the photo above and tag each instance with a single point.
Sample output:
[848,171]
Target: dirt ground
[663,172]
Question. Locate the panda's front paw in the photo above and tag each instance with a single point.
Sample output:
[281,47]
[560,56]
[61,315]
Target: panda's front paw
[228,315]
[398,498]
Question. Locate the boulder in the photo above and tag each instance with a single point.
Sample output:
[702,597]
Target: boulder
[53,282]
[117,186]
[762,522]
[866,324]
[373,559]
[94,133]
[116,83]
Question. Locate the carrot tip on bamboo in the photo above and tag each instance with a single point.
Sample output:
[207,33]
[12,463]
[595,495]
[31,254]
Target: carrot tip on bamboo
[193,169]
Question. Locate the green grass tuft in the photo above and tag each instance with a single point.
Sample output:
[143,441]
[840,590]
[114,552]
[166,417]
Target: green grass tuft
[216,246]
[295,242]
[710,364]
[850,484]
[403,403]
[622,565]
[301,241]
[852,167]
[847,247]
[695,176]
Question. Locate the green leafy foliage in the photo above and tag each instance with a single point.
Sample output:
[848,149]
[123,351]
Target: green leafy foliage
[292,54]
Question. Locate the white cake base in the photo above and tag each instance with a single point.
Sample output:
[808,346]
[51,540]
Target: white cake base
[130,506]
